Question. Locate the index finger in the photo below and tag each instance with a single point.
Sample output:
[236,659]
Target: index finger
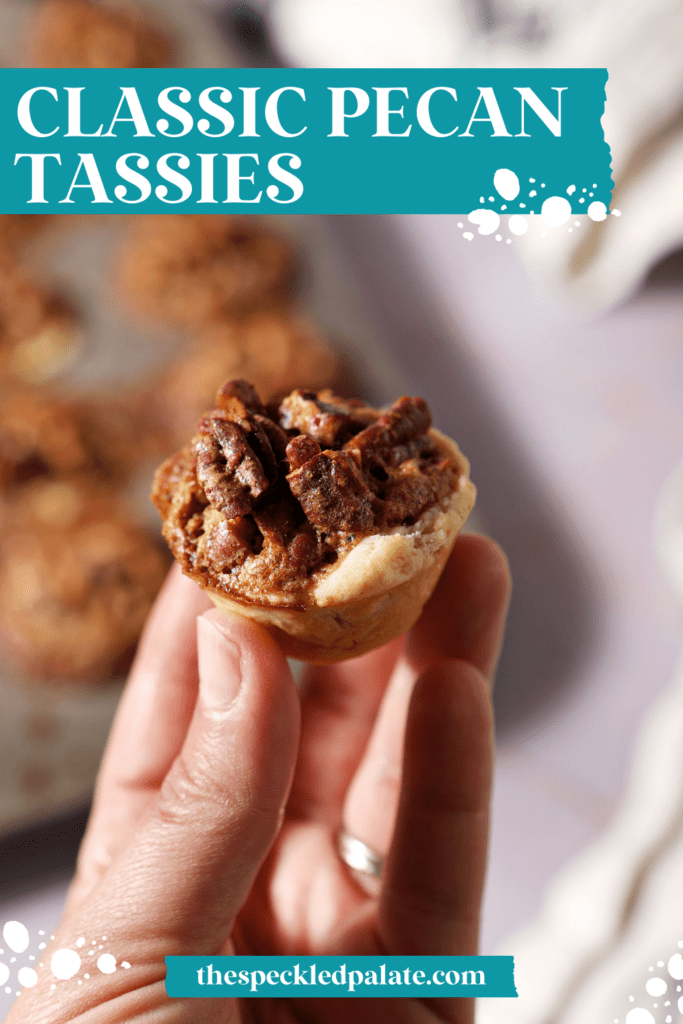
[464,618]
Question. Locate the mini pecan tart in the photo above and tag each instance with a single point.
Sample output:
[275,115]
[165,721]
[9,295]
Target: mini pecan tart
[186,270]
[98,439]
[77,580]
[324,519]
[40,334]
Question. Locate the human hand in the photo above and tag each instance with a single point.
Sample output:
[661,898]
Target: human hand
[220,797]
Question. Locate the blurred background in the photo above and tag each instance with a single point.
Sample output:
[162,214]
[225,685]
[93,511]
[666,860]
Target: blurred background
[556,361]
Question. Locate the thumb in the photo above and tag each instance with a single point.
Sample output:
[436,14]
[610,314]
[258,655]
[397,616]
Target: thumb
[191,864]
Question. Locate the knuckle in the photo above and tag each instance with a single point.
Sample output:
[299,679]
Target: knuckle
[188,793]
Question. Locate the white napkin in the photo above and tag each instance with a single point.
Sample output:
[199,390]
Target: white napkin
[640,43]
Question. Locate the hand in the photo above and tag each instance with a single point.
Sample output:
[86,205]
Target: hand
[221,793]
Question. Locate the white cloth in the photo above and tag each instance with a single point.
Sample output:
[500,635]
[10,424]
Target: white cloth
[641,45]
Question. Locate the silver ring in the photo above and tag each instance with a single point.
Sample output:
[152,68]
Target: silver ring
[358,856]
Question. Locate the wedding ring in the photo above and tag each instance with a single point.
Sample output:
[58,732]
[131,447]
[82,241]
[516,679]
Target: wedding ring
[358,856]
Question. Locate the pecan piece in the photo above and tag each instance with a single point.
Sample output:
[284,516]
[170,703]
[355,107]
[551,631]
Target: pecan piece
[307,413]
[406,421]
[241,390]
[333,494]
[300,450]
[228,469]
[406,496]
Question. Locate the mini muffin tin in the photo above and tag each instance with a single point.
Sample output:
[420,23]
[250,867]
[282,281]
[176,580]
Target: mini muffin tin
[52,735]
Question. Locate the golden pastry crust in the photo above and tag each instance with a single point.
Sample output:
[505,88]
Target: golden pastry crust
[187,270]
[81,34]
[324,519]
[77,581]
[276,350]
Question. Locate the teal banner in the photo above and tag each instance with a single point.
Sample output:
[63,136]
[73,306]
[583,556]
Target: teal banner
[333,141]
[297,977]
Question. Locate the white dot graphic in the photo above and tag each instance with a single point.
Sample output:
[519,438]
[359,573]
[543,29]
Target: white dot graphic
[27,977]
[517,224]
[4,973]
[556,211]
[487,220]
[125,964]
[597,211]
[656,987]
[80,942]
[571,190]
[15,935]
[468,235]
[65,963]
[675,966]
[639,1016]
[680,1005]
[107,963]
[506,183]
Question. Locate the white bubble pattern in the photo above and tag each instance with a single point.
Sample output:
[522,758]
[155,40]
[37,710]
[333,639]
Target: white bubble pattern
[15,935]
[106,963]
[65,963]
[506,183]
[488,221]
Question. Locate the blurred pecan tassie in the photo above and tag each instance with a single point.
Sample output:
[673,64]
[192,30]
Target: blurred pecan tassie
[274,350]
[188,269]
[39,332]
[77,580]
[325,519]
[42,436]
[81,34]
[18,228]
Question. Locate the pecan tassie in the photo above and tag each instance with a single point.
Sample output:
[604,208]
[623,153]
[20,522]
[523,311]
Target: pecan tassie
[81,34]
[18,228]
[48,437]
[275,350]
[191,269]
[77,581]
[265,499]
[39,331]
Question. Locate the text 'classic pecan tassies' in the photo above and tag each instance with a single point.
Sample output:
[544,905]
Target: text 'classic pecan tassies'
[325,519]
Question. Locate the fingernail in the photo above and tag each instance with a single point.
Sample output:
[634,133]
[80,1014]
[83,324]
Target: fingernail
[220,666]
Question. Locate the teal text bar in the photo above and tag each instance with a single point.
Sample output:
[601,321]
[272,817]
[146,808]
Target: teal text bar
[322,141]
[392,977]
